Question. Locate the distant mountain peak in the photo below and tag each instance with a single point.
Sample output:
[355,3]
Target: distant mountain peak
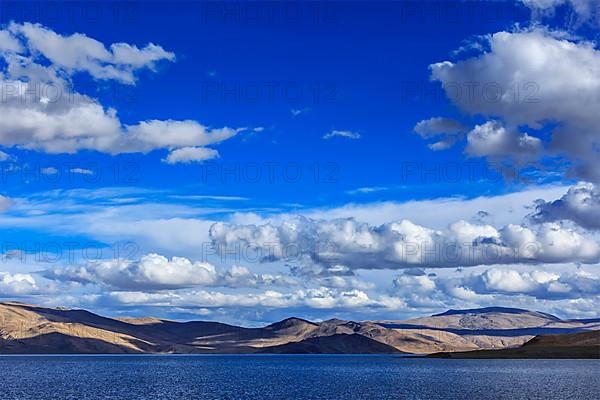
[290,322]
[486,310]
[336,321]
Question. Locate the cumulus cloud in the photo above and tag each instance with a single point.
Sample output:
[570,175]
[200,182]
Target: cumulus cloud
[41,111]
[344,134]
[581,204]
[537,283]
[17,284]
[534,78]
[425,291]
[491,139]
[153,271]
[585,10]
[240,276]
[8,43]
[564,282]
[341,245]
[191,154]
[446,131]
[318,298]
[156,272]
[80,53]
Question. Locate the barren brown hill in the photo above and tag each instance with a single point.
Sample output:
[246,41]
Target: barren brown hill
[340,343]
[574,345]
[31,329]
[483,328]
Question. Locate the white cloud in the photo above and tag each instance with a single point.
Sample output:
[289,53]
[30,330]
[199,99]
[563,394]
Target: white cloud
[81,171]
[404,244]
[317,298]
[537,283]
[239,276]
[344,134]
[558,81]
[191,154]
[503,209]
[491,139]
[367,190]
[148,135]
[507,280]
[17,284]
[156,272]
[80,53]
[581,204]
[42,112]
[153,271]
[340,282]
[8,43]
[446,131]
[298,111]
[167,228]
[209,197]
[506,283]
[362,245]
[585,10]
[182,228]
[49,171]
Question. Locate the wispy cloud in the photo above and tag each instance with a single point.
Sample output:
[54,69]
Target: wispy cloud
[367,190]
[209,197]
[81,171]
[298,111]
[344,134]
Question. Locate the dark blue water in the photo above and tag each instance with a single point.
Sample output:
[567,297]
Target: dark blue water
[293,377]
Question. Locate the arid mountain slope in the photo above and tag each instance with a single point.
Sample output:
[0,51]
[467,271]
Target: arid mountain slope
[32,329]
[484,328]
[340,343]
[573,345]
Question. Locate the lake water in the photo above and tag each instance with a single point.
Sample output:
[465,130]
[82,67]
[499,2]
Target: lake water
[293,377]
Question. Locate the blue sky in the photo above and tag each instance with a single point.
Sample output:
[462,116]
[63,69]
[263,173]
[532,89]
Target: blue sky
[197,124]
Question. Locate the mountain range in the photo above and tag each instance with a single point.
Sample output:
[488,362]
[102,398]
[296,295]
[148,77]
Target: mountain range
[30,329]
